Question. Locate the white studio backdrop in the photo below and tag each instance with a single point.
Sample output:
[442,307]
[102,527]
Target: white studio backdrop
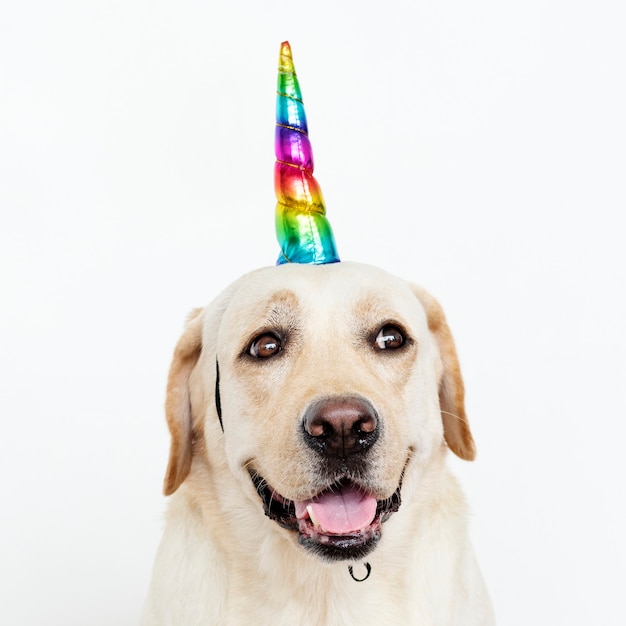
[476,148]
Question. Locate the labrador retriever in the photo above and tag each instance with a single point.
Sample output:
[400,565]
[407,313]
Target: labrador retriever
[311,409]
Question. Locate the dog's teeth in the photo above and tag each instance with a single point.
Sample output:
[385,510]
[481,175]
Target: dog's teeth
[309,510]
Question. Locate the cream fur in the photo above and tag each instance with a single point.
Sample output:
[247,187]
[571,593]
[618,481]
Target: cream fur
[221,560]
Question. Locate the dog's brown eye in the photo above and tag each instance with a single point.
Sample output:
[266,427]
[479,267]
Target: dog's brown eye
[265,346]
[389,338]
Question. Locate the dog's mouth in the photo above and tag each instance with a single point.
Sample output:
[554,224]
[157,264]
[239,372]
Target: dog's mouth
[342,522]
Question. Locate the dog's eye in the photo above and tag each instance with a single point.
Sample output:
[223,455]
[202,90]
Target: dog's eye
[389,338]
[265,346]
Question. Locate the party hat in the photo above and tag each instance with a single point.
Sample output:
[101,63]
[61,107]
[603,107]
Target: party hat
[303,232]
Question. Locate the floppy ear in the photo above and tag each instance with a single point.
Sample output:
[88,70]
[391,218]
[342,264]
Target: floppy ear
[178,402]
[451,390]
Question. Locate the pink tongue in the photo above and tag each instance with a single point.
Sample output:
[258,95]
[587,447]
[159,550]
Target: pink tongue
[341,511]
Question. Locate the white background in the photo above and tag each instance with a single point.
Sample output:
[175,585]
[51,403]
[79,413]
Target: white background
[477,148]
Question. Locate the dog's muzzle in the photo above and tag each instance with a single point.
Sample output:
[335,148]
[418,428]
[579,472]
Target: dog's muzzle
[343,521]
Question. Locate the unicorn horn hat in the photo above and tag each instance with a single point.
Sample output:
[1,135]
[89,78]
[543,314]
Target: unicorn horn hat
[303,232]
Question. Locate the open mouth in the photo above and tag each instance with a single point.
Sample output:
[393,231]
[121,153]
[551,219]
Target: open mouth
[341,522]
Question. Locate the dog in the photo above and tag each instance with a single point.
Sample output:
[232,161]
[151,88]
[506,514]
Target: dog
[311,409]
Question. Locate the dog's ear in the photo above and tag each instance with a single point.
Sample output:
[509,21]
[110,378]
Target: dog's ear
[178,402]
[451,389]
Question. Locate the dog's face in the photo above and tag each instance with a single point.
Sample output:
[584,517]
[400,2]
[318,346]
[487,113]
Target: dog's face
[329,382]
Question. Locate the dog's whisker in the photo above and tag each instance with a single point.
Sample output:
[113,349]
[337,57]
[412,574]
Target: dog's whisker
[248,466]
[279,499]
[458,417]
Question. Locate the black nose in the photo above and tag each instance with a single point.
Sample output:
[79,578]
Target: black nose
[341,426]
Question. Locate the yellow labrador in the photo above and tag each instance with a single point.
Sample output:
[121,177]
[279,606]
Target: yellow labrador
[311,408]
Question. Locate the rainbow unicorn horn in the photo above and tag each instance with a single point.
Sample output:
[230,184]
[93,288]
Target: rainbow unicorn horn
[303,232]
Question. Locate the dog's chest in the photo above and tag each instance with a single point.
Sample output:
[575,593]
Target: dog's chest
[347,603]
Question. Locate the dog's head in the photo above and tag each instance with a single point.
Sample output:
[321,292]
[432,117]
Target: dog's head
[318,387]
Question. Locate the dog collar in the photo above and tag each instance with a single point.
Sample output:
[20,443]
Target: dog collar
[368,571]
